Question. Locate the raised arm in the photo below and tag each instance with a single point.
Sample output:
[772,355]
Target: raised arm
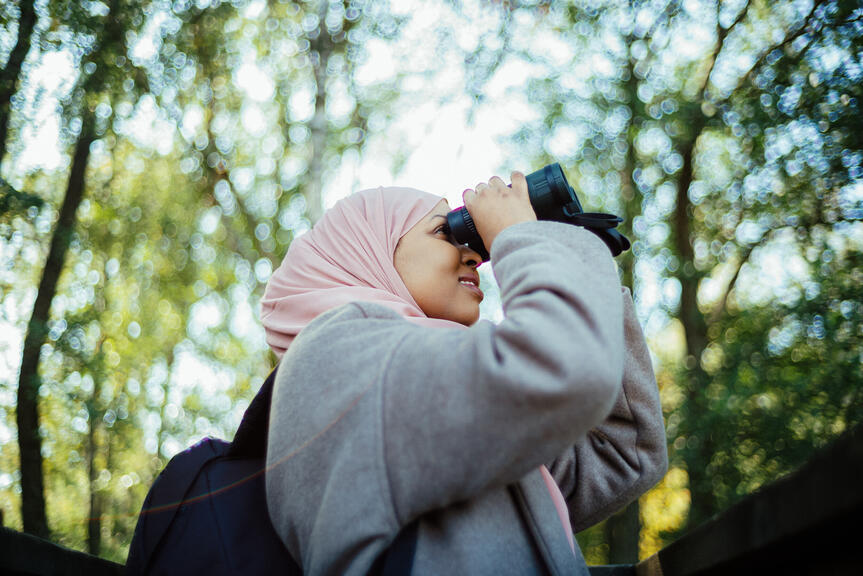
[466,410]
[625,455]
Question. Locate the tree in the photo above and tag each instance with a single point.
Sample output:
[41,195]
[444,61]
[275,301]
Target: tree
[99,72]
[785,116]
[706,143]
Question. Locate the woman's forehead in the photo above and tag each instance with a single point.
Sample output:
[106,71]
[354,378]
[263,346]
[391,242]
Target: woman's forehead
[441,207]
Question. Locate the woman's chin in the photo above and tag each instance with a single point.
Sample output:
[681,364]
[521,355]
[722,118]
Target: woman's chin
[469,319]
[463,309]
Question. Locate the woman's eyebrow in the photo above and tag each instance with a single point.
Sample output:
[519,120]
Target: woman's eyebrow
[439,216]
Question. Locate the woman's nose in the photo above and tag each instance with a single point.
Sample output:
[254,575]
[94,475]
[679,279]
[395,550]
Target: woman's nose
[470,257]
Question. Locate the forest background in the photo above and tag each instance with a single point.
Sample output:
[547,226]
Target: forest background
[159,156]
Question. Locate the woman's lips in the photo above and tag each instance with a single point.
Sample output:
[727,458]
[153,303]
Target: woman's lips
[474,289]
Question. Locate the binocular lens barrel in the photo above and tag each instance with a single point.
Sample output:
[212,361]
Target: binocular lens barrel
[550,195]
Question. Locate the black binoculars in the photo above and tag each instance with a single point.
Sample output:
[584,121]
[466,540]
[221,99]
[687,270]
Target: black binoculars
[552,198]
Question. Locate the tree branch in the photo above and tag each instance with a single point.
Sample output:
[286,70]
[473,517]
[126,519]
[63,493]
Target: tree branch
[785,42]
[10,74]
[222,172]
[666,13]
[817,218]
[721,35]
[721,307]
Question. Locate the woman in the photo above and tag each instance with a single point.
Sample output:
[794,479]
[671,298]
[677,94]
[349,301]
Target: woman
[393,406]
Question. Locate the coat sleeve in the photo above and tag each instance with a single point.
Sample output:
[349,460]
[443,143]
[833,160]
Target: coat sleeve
[467,410]
[626,454]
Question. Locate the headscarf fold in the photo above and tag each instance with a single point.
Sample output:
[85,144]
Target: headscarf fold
[346,257]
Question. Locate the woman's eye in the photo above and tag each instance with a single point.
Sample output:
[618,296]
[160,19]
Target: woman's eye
[443,228]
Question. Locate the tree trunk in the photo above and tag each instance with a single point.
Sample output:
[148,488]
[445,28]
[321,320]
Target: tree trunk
[622,530]
[94,522]
[630,196]
[690,315]
[699,447]
[27,413]
[11,73]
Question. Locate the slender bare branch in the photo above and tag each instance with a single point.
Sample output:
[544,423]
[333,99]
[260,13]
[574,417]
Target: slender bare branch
[785,42]
[722,305]
[222,172]
[814,219]
[665,14]
[721,35]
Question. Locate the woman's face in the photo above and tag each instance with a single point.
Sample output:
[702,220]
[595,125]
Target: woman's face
[434,269]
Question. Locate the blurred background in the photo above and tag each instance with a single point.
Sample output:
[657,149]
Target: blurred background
[159,156]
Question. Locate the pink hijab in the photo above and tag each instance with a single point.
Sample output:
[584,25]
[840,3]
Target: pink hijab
[346,257]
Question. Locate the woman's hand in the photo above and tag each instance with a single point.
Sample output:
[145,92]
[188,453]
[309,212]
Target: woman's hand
[496,206]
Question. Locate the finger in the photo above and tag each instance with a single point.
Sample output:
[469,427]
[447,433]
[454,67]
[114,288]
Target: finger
[479,187]
[518,180]
[497,182]
[467,195]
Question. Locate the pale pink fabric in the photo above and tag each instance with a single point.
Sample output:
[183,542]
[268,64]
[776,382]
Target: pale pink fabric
[559,504]
[346,257]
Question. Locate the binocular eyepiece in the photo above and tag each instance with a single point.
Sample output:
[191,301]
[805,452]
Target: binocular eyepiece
[552,198]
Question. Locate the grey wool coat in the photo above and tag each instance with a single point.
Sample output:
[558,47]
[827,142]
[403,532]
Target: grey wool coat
[377,422]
